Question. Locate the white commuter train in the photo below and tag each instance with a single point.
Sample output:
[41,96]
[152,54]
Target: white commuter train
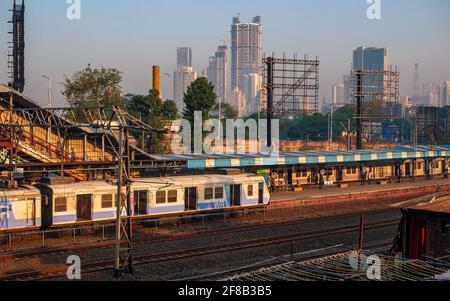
[20,208]
[70,204]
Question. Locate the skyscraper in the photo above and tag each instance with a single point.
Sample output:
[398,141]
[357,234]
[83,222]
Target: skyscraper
[347,89]
[217,72]
[183,76]
[252,88]
[238,101]
[338,94]
[246,51]
[446,98]
[16,58]
[430,94]
[372,59]
[184,57]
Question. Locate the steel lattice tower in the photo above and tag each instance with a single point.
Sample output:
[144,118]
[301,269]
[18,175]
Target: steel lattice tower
[16,56]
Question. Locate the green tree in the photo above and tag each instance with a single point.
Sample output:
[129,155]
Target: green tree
[94,87]
[199,96]
[169,110]
[148,108]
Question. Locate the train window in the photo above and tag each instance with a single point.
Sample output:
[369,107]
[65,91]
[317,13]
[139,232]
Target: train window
[160,197]
[209,193]
[219,193]
[304,173]
[173,196]
[352,170]
[419,165]
[107,201]
[250,190]
[60,205]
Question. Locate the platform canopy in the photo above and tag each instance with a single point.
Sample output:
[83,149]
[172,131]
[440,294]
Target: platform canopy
[308,157]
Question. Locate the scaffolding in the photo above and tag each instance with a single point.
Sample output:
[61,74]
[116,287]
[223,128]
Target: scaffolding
[291,86]
[427,124]
[377,97]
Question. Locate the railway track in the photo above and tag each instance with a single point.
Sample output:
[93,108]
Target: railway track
[204,233]
[145,259]
[247,269]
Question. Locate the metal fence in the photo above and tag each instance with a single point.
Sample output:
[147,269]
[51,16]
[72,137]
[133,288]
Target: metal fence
[163,227]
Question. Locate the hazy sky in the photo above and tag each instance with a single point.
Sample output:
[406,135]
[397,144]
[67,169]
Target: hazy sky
[133,35]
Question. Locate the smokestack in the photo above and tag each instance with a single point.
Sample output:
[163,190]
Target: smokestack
[156,78]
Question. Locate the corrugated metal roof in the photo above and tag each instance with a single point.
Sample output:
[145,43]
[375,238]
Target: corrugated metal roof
[306,157]
[437,205]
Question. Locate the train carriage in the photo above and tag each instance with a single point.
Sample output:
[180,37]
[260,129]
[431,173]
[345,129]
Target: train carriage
[20,208]
[197,193]
[74,203]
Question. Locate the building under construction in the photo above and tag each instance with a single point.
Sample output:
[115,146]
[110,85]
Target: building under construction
[427,125]
[377,96]
[16,55]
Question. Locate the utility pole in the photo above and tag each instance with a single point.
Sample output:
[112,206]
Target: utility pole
[123,261]
[269,89]
[50,98]
[359,102]
[50,104]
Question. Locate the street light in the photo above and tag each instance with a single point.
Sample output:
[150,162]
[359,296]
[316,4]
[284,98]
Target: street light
[50,101]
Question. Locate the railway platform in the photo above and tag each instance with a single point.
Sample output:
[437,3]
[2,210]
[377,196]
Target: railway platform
[357,192]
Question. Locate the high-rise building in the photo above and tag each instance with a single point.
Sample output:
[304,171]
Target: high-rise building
[183,76]
[217,73]
[246,51]
[184,58]
[446,94]
[347,89]
[238,101]
[252,88]
[430,94]
[372,59]
[16,58]
[181,81]
[338,95]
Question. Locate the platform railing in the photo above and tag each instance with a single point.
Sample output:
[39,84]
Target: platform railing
[153,228]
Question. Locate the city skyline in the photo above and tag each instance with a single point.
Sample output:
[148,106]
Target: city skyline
[57,46]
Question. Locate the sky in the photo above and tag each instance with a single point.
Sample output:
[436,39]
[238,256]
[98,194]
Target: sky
[133,35]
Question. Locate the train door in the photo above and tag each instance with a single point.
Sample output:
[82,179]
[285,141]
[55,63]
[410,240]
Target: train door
[261,193]
[140,202]
[84,207]
[235,195]
[190,198]
[290,177]
[47,210]
[340,175]
[407,169]
[31,212]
